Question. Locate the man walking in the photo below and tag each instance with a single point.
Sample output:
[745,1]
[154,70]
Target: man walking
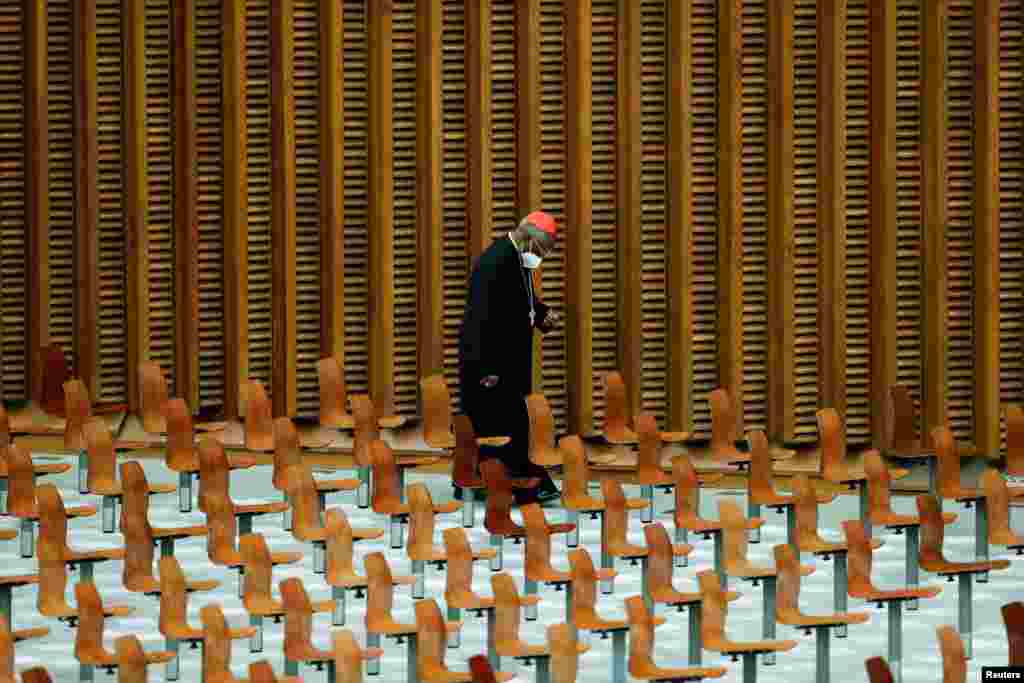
[496,346]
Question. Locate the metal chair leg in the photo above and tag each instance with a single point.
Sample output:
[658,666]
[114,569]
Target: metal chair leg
[913,566]
[256,642]
[338,615]
[753,510]
[823,670]
[896,640]
[965,623]
[768,615]
[185,491]
[839,589]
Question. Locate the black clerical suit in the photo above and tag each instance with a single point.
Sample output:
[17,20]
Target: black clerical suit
[497,339]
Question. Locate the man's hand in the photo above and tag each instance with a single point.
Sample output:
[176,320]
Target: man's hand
[489,381]
[552,321]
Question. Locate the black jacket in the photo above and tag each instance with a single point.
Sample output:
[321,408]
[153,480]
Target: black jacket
[496,336]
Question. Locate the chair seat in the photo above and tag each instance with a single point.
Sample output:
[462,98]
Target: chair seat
[894,520]
[636,503]
[418,461]
[549,576]
[822,547]
[839,619]
[108,659]
[51,468]
[888,595]
[950,568]
[772,498]
[349,580]
[729,647]
[583,503]
[267,508]
[652,672]
[366,534]
[389,627]
[964,495]
[332,485]
[309,654]
[98,555]
[751,571]
[30,633]
[914,453]
[517,648]
[673,437]
[497,441]
[19,580]
[179,532]
[469,600]
[151,586]
[1006,538]
[626,551]
[671,596]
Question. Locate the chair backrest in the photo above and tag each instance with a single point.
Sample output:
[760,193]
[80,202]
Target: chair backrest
[901,428]
[348,657]
[787,586]
[135,492]
[257,580]
[262,672]
[437,411]
[724,422]
[759,483]
[584,582]
[338,554]
[286,452]
[713,607]
[154,395]
[53,523]
[879,485]
[459,574]
[933,530]
[878,670]
[507,608]
[498,513]
[55,373]
[480,670]
[102,470]
[537,553]
[259,417]
[77,409]
[1015,441]
[387,496]
[380,589]
[366,428]
[565,654]
[641,635]
[659,557]
[806,510]
[137,570]
[687,492]
[616,518]
[431,637]
[858,559]
[217,642]
[831,443]
[181,436]
[221,530]
[5,428]
[331,378]
[997,503]
[954,659]
[615,407]
[304,499]
[298,617]
[542,424]
[467,453]
[21,482]
[576,470]
[131,660]
[648,463]
[51,600]
[421,518]
[734,535]
[1013,619]
[173,595]
[36,674]
[6,652]
[214,471]
[947,462]
[89,634]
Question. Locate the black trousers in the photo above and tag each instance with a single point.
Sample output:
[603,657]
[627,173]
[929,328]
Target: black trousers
[494,412]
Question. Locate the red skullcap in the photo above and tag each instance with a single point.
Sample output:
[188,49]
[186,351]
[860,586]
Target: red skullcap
[544,222]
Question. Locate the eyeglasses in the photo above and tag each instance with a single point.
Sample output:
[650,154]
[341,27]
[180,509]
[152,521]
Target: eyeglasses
[539,248]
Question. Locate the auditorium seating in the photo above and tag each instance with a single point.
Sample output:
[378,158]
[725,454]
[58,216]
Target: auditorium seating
[903,441]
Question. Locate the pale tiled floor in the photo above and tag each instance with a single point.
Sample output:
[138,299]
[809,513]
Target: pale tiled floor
[921,663]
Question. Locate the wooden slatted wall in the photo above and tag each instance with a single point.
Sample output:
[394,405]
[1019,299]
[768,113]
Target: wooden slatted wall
[1011,177]
[704,104]
[654,199]
[13,280]
[406,242]
[858,264]
[805,215]
[960,217]
[356,207]
[455,252]
[505,207]
[306,32]
[755,214]
[210,160]
[160,168]
[604,242]
[910,255]
[553,152]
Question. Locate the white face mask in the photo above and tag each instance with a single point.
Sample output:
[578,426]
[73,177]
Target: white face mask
[531,261]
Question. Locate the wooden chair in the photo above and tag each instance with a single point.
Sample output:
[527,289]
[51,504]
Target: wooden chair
[880,513]
[714,611]
[878,670]
[466,462]
[581,606]
[53,536]
[657,587]
[333,394]
[458,591]
[349,657]
[389,491]
[8,583]
[1015,447]
[135,510]
[77,411]
[902,440]
[420,547]
[216,642]
[37,674]
[56,371]
[481,670]
[132,661]
[997,507]
[5,444]
[537,566]
[215,481]
[615,527]
[298,632]
[498,520]
[340,572]
[542,432]
[380,591]
[431,641]
[181,454]
[649,471]
[565,653]
[737,563]
[788,612]
[834,467]
[948,484]
[725,431]
[21,496]
[933,560]
[367,430]
[954,659]
[102,479]
[1013,619]
[257,591]
[860,586]
[616,430]
[641,650]
[8,639]
[686,514]
[51,601]
[173,619]
[89,650]
[155,396]
[287,445]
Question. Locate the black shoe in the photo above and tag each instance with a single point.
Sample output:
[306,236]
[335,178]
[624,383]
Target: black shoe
[549,498]
[458,493]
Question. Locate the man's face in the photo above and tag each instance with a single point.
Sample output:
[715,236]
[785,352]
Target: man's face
[540,242]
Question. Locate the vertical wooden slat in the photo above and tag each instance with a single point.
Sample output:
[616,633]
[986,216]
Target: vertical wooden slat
[986,227]
[86,264]
[680,214]
[37,191]
[429,196]
[478,124]
[629,152]
[332,178]
[882,213]
[579,321]
[381,212]
[136,194]
[504,126]
[282,209]
[186,218]
[933,205]
[730,200]
[832,202]
[236,207]
[781,248]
